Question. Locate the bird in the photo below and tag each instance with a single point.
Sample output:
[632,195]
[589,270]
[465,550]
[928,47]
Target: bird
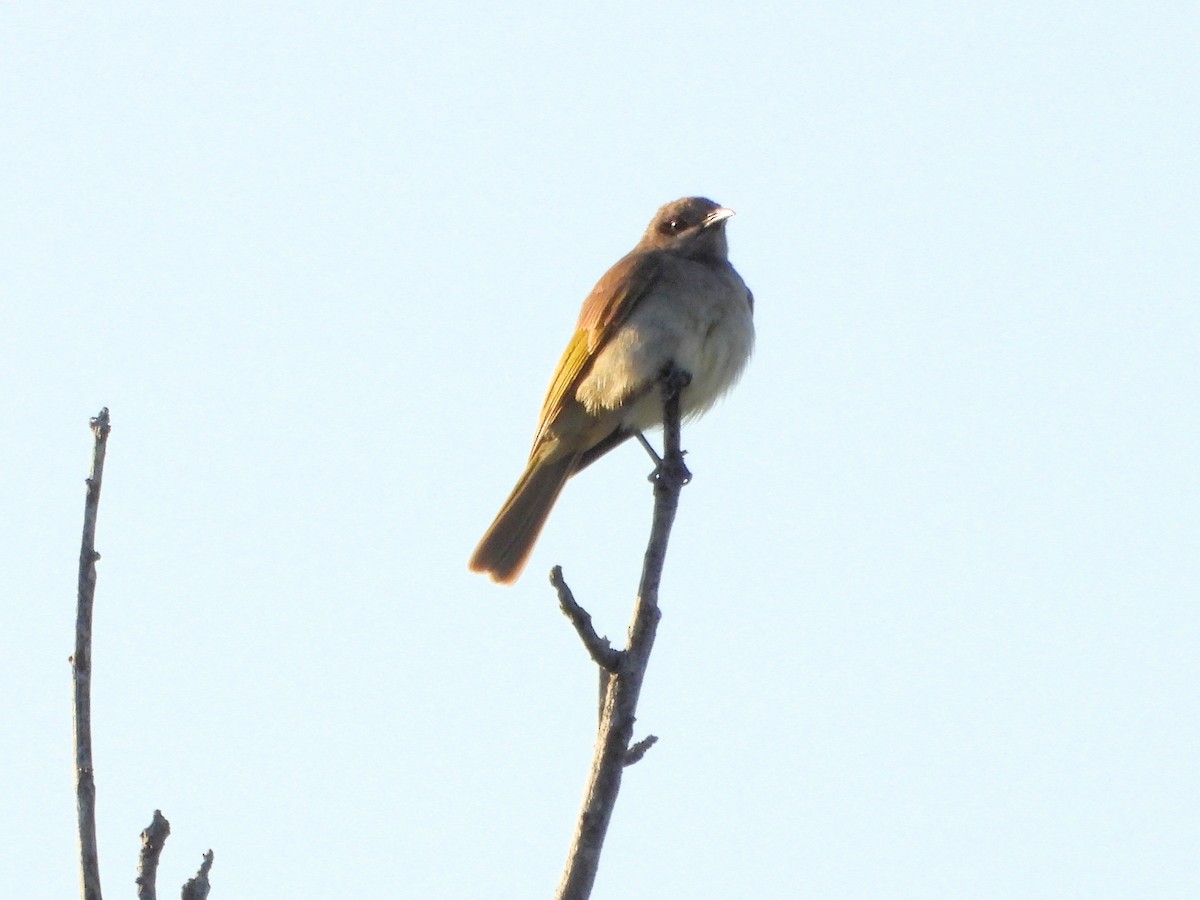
[674,301]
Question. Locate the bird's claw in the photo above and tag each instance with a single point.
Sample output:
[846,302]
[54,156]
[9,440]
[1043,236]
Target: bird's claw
[672,467]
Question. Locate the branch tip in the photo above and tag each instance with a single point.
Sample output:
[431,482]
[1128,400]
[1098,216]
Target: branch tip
[153,838]
[197,888]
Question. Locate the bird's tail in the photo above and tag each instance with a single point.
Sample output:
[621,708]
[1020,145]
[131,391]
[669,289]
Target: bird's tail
[506,546]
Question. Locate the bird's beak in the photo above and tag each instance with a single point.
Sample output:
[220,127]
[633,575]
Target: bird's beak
[716,216]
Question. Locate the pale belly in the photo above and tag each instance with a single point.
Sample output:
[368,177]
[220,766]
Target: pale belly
[707,332]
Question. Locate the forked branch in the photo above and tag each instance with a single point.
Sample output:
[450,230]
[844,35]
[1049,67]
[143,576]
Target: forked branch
[625,669]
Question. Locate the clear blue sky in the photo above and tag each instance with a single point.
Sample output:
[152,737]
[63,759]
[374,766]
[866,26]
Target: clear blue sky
[931,612]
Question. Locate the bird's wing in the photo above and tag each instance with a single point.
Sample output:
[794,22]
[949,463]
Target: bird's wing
[604,311]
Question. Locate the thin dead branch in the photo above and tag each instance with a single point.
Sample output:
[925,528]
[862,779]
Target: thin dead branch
[614,748]
[81,664]
[155,835]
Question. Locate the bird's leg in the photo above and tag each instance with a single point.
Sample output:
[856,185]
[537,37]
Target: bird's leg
[673,381]
[649,448]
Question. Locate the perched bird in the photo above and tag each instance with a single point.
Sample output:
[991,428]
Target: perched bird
[674,299]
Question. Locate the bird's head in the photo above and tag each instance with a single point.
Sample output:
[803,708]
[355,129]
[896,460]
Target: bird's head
[693,227]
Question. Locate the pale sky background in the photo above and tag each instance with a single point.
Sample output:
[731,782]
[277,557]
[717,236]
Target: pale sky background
[931,622]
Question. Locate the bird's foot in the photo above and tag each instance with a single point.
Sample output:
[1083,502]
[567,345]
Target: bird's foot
[669,467]
[672,467]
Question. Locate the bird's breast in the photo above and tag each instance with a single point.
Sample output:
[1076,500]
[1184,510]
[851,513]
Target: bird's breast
[696,316]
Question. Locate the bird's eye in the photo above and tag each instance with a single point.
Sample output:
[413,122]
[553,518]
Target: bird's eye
[674,226]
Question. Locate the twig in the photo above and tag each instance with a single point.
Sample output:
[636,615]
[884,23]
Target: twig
[598,648]
[153,838]
[81,661]
[619,706]
[197,887]
[638,750]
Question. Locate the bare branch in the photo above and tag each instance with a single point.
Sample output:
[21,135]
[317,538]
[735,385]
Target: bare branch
[153,838]
[598,648]
[197,888]
[619,706]
[155,835]
[81,662]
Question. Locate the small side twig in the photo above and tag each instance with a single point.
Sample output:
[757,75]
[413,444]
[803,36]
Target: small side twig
[81,665]
[638,750]
[153,838]
[614,750]
[598,648]
[197,887]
